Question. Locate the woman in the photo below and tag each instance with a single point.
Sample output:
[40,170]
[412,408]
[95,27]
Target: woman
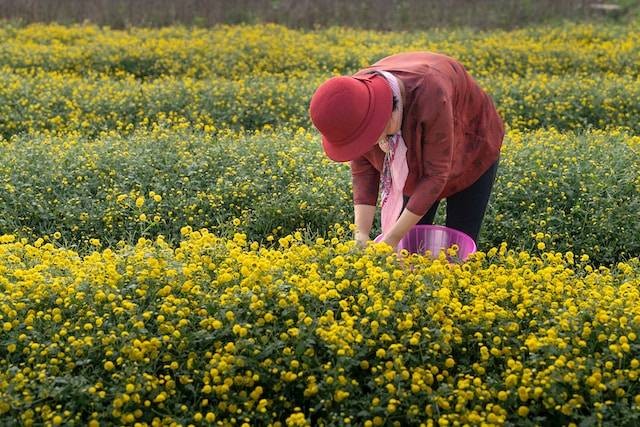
[418,126]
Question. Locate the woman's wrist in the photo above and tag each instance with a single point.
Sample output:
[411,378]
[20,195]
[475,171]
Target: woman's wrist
[361,235]
[404,223]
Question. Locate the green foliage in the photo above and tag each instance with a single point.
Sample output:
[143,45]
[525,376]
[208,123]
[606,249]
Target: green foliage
[84,189]
[580,190]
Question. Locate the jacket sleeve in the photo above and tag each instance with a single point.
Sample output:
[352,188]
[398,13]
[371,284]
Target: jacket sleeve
[365,182]
[436,121]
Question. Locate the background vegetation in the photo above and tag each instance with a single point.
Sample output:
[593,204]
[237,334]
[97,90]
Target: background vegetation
[375,14]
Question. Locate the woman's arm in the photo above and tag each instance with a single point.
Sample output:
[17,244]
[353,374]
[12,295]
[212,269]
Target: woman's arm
[401,227]
[365,182]
[364,221]
[437,148]
[437,122]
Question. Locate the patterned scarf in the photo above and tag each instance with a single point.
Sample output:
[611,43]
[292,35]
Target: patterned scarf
[394,169]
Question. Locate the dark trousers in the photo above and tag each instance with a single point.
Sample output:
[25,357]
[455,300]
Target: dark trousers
[466,208]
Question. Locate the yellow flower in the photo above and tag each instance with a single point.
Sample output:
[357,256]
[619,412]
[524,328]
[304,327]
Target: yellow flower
[341,395]
[296,419]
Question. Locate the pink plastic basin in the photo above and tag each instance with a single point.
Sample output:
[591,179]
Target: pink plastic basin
[434,238]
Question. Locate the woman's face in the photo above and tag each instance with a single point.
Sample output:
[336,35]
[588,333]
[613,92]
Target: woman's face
[393,127]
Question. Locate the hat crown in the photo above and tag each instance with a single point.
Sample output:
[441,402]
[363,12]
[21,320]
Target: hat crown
[351,113]
[340,107]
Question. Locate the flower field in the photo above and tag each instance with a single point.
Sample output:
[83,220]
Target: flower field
[175,248]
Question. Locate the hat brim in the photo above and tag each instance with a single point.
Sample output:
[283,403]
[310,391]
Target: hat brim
[380,106]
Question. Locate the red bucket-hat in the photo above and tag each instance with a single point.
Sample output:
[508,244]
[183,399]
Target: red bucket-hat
[351,112]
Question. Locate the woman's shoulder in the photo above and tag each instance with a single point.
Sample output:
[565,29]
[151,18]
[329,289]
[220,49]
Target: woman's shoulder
[419,70]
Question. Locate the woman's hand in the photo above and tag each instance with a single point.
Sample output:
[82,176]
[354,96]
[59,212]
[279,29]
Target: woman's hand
[400,228]
[362,239]
[391,241]
[363,220]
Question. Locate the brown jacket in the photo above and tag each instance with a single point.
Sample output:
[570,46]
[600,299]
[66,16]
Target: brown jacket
[451,128]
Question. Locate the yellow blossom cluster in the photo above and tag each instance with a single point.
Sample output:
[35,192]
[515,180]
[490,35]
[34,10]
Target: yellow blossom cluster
[312,332]
[83,78]
[37,100]
[242,50]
